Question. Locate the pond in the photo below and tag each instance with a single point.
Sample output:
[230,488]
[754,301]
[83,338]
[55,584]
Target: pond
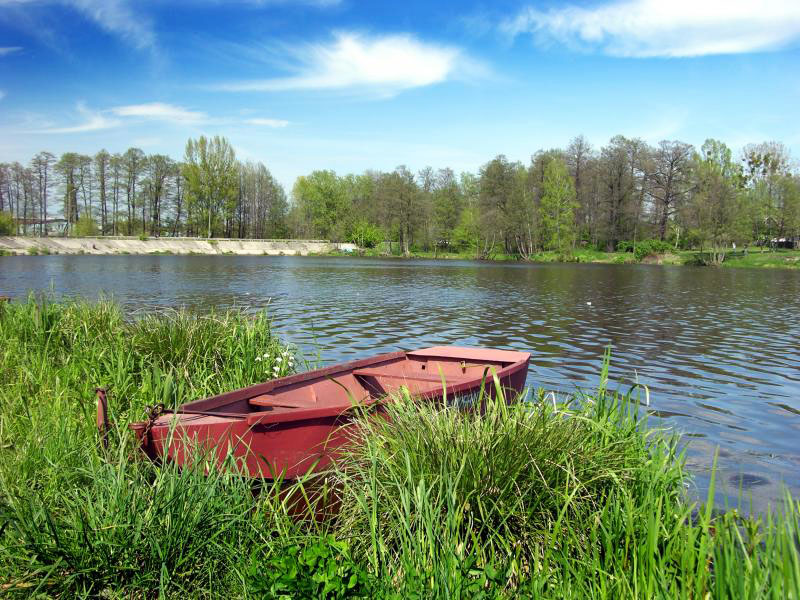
[718,348]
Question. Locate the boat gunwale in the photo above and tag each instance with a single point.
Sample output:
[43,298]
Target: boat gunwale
[206,406]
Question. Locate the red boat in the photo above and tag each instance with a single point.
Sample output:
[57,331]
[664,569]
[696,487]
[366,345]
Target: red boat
[293,425]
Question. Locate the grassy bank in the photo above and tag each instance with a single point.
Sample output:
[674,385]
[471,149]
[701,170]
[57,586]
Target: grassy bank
[779,259]
[575,499]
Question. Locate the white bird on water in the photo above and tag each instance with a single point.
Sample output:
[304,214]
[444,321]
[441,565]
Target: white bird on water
[588,304]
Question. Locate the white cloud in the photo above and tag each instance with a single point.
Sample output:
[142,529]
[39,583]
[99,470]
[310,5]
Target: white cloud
[383,64]
[275,123]
[676,28]
[160,111]
[6,50]
[117,17]
[114,16]
[93,121]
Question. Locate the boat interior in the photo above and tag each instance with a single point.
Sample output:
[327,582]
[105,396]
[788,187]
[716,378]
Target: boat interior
[423,372]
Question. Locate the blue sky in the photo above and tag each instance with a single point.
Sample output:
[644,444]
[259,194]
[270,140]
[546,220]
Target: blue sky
[345,85]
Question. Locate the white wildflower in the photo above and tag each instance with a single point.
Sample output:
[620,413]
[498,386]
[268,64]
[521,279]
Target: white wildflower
[258,359]
[266,355]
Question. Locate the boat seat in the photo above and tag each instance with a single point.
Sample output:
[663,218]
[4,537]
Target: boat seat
[267,400]
[408,376]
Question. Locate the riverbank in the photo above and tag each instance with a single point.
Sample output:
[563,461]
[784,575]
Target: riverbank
[778,259]
[20,245]
[569,497]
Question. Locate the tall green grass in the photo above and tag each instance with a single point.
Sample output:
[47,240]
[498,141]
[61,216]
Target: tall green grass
[570,499]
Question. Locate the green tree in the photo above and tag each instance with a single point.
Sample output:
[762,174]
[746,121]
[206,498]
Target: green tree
[717,198]
[557,207]
[211,178]
[68,167]
[322,204]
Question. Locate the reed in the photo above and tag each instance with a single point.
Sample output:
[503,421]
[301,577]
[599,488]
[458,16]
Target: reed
[568,498]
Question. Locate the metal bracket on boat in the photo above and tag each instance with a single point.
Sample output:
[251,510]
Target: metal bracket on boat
[152,412]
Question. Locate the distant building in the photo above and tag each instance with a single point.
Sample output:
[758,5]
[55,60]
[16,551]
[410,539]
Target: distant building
[42,226]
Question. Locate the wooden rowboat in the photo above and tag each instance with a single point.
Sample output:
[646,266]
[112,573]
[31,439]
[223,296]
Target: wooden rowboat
[293,425]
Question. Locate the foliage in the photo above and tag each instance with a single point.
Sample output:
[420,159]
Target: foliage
[321,199]
[322,568]
[85,227]
[365,235]
[7,224]
[557,207]
[211,179]
[704,198]
[645,248]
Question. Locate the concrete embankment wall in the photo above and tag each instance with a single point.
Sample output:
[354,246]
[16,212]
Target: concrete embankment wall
[117,245]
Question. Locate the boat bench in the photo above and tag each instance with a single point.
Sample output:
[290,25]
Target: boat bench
[410,377]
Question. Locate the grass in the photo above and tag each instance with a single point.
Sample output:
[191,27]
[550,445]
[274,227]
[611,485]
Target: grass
[549,499]
[777,259]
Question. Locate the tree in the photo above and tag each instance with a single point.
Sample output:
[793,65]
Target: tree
[765,165]
[102,163]
[716,200]
[399,193]
[671,180]
[42,164]
[621,178]
[497,179]
[581,161]
[158,170]
[557,207]
[323,204]
[447,206]
[211,178]
[68,166]
[132,165]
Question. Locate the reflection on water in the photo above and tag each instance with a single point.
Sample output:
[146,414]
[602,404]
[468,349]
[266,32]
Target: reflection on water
[718,347]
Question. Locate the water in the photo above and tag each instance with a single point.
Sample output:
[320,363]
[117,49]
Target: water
[719,348]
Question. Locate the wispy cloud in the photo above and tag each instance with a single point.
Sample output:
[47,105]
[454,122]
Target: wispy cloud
[132,114]
[655,28]
[92,121]
[160,111]
[274,123]
[117,17]
[2,94]
[6,50]
[384,65]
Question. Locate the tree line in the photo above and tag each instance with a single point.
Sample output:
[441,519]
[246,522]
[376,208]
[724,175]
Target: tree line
[560,200]
[209,193]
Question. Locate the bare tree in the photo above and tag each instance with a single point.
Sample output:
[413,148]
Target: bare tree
[671,180]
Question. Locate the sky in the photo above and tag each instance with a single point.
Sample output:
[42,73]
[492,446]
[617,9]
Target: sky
[350,86]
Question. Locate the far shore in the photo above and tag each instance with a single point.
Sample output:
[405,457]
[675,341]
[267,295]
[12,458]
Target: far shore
[110,246]
[23,245]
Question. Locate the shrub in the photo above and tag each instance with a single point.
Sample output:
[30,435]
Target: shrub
[646,248]
[365,235]
[7,226]
[85,227]
[625,246]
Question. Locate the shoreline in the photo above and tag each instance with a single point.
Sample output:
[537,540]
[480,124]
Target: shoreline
[117,246]
[110,246]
